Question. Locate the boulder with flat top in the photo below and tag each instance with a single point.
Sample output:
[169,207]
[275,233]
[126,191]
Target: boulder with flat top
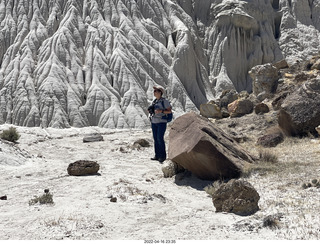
[199,146]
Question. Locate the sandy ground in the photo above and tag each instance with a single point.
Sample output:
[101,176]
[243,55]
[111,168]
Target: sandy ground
[148,207]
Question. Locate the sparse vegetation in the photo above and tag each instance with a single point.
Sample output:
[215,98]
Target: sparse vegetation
[267,163]
[52,222]
[46,198]
[10,135]
[271,222]
[267,156]
[210,189]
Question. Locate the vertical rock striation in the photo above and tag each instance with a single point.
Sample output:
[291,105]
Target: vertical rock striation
[94,62]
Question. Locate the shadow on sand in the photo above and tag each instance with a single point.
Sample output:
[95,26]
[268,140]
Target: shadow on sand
[188,179]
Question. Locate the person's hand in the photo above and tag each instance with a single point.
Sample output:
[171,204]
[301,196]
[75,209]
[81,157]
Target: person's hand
[158,111]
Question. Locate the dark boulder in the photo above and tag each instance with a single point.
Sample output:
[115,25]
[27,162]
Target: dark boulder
[261,108]
[300,111]
[271,139]
[83,167]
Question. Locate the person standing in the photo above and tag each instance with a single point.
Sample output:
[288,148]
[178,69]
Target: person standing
[158,110]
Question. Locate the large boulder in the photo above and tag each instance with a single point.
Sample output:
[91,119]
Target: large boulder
[300,111]
[236,196]
[200,147]
[264,78]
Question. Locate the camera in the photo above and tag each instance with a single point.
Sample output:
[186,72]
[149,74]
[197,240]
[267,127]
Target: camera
[151,109]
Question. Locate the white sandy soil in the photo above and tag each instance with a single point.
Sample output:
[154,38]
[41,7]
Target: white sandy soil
[148,207]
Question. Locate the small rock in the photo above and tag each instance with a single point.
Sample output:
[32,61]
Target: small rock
[113,199]
[171,168]
[3,198]
[142,143]
[92,138]
[261,108]
[123,150]
[46,190]
[271,140]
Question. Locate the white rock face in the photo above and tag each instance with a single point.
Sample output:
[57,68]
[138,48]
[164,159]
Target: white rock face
[93,63]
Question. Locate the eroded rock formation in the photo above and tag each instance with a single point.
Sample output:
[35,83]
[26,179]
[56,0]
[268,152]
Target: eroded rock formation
[86,63]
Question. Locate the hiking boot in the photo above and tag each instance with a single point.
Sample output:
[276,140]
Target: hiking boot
[161,160]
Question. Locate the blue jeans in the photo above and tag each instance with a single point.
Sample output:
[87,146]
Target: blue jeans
[158,131]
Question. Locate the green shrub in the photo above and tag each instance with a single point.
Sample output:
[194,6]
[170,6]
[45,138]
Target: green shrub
[10,135]
[46,198]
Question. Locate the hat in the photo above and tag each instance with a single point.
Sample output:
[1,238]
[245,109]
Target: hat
[157,87]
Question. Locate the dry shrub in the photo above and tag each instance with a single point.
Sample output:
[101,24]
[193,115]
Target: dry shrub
[210,189]
[267,156]
[274,130]
[10,135]
[267,162]
[271,222]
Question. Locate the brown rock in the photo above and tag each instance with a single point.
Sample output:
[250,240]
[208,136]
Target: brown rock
[113,199]
[210,110]
[83,167]
[282,64]
[142,143]
[240,107]
[236,196]
[261,108]
[270,140]
[200,147]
